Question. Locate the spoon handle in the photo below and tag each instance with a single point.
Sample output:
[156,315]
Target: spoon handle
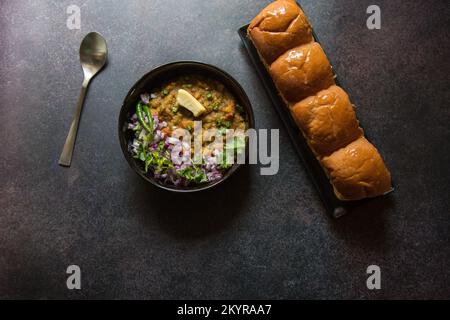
[66,155]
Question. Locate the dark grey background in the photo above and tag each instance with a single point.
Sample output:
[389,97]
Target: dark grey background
[255,236]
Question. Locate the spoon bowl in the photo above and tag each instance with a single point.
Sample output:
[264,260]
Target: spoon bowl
[93,53]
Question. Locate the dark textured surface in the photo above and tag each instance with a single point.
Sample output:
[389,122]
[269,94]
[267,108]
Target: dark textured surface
[255,236]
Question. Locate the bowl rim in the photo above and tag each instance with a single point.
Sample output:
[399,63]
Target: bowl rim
[209,68]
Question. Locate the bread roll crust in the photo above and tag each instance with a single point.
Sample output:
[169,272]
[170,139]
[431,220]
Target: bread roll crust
[304,79]
[357,171]
[280,26]
[327,120]
[302,72]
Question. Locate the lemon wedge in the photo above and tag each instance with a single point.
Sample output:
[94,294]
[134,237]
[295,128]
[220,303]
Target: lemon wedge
[186,100]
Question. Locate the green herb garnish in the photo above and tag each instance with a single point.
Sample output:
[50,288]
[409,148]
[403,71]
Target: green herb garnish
[158,162]
[222,161]
[161,145]
[193,174]
[222,123]
[240,109]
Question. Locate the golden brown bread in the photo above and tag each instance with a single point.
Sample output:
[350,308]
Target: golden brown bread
[357,171]
[302,72]
[327,120]
[280,26]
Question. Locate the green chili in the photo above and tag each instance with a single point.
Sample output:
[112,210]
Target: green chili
[140,115]
[149,117]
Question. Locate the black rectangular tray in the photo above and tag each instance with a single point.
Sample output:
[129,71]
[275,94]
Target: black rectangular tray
[335,207]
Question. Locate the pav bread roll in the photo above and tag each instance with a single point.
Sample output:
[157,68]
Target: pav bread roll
[327,120]
[302,72]
[357,171]
[303,76]
[280,26]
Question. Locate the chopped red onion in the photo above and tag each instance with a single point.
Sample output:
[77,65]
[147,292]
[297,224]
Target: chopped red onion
[173,140]
[162,125]
[145,98]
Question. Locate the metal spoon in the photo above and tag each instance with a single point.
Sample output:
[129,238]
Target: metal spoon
[93,53]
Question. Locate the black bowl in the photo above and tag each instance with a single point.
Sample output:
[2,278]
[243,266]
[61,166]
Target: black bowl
[153,79]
